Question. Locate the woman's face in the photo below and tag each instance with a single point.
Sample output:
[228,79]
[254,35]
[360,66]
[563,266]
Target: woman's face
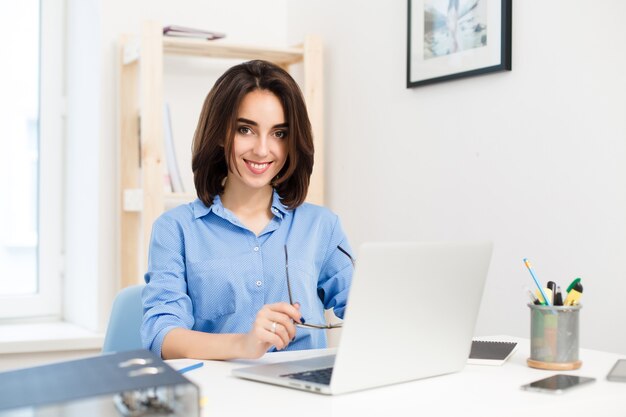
[260,143]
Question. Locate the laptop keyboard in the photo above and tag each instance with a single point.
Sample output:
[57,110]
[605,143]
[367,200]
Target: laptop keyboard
[319,376]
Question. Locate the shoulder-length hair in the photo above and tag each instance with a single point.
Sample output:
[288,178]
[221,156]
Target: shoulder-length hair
[212,149]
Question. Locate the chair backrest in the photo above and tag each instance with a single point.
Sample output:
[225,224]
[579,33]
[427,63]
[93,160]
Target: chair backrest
[125,321]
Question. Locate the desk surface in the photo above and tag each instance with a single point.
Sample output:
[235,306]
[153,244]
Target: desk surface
[478,390]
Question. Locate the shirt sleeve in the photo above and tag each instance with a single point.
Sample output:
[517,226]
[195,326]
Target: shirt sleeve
[166,304]
[336,273]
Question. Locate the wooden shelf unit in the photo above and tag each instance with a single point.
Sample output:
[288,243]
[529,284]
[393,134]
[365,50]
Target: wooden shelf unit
[142,161]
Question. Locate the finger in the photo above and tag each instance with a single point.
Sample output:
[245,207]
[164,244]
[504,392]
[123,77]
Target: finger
[264,332]
[274,339]
[286,308]
[284,321]
[284,336]
[276,334]
[264,324]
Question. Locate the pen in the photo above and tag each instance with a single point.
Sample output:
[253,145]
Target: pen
[532,274]
[533,297]
[190,367]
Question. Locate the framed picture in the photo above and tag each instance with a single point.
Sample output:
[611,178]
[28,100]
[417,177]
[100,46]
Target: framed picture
[450,39]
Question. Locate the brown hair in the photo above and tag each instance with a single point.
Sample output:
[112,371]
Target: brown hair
[213,139]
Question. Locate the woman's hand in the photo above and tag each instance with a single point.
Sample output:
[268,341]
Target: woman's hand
[273,326]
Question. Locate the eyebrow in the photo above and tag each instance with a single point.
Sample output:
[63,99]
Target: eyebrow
[253,123]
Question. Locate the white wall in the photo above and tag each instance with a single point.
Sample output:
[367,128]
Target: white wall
[533,159]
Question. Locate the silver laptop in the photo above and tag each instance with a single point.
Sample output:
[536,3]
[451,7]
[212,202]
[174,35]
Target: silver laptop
[411,314]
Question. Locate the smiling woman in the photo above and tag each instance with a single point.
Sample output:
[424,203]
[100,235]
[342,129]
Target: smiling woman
[216,281]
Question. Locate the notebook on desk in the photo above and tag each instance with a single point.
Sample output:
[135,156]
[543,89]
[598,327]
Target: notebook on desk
[411,314]
[491,352]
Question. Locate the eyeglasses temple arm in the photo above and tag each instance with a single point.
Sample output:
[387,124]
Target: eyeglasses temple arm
[287,273]
[346,253]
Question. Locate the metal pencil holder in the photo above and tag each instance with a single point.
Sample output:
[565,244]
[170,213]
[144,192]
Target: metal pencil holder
[554,332]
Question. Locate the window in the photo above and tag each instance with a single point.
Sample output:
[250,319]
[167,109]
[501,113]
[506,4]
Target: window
[31,127]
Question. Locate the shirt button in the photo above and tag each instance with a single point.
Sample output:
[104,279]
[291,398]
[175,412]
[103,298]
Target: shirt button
[256,248]
[275,211]
[259,283]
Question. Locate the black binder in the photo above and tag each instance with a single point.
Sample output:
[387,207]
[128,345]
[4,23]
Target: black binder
[132,383]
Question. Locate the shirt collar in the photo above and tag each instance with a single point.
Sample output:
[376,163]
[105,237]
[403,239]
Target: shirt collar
[200,210]
[278,208]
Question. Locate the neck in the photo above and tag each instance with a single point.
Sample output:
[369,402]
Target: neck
[247,202]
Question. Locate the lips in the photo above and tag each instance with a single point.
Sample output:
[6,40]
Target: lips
[257,167]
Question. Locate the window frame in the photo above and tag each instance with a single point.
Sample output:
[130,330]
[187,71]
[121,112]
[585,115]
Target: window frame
[47,301]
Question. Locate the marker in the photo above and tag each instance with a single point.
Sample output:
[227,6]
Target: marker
[558,298]
[573,284]
[573,296]
[532,274]
[190,367]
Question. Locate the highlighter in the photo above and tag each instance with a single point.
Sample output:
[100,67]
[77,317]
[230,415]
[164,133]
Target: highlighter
[573,284]
[547,292]
[573,296]
[552,286]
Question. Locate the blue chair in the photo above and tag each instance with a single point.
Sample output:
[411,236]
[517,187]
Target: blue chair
[125,321]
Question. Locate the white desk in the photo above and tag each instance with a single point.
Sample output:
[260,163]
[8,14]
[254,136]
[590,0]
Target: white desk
[476,391]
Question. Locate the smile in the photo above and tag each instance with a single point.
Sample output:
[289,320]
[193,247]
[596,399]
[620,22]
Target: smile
[257,167]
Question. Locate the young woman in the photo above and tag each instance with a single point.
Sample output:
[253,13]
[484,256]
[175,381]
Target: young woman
[231,274]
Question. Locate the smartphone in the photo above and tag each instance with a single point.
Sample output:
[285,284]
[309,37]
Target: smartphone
[557,384]
[618,372]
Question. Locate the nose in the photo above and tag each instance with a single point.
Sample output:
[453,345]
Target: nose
[261,146]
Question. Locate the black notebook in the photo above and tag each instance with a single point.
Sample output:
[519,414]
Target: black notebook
[490,352]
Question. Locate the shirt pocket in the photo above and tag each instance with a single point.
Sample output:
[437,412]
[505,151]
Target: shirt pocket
[211,288]
[303,280]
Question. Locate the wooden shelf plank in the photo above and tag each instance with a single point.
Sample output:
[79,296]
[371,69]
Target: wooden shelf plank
[130,222]
[151,125]
[218,49]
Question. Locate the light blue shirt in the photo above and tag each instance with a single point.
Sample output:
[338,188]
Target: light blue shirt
[208,272]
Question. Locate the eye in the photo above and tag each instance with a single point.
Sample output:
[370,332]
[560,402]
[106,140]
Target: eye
[244,130]
[280,134]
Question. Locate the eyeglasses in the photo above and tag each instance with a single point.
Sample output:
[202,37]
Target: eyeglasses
[303,324]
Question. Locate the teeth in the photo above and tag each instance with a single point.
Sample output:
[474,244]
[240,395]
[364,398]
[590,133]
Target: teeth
[258,166]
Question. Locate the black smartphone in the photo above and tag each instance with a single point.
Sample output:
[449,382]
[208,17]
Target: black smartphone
[557,384]
[618,372]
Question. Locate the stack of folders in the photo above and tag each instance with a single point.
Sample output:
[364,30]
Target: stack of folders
[133,383]
[486,352]
[186,32]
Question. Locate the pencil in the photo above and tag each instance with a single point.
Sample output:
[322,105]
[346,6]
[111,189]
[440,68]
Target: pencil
[532,274]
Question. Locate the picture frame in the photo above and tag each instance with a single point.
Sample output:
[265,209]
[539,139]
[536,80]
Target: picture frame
[452,39]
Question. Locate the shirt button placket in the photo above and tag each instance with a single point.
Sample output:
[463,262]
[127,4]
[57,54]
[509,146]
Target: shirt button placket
[257,248]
